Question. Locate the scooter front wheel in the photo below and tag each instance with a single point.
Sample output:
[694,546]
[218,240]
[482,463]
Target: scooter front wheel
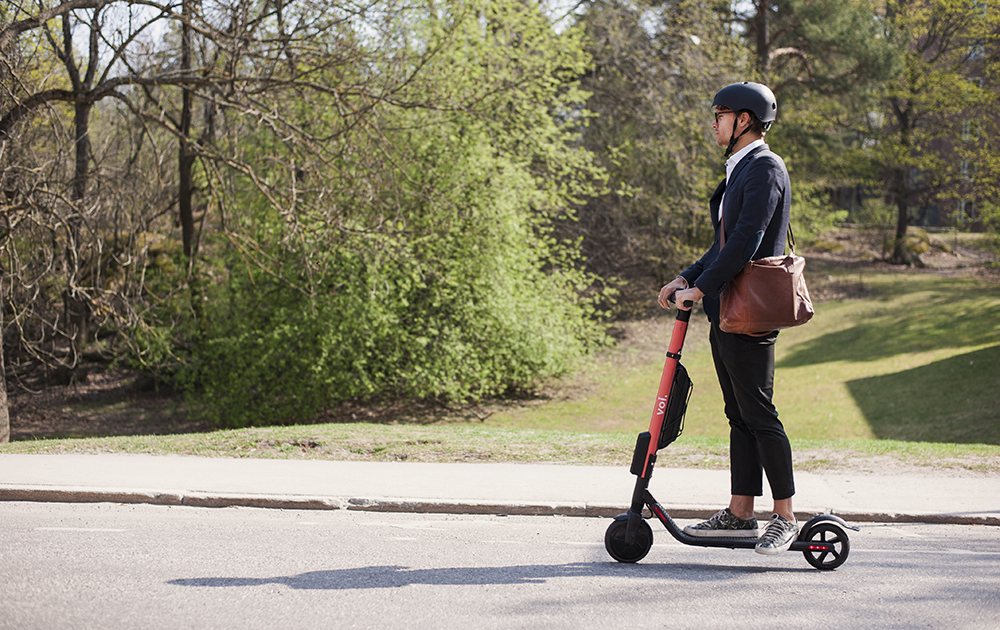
[831,546]
[614,541]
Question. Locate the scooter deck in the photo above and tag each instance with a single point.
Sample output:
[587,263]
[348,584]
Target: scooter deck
[728,543]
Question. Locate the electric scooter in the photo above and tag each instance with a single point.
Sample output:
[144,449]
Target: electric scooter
[822,539]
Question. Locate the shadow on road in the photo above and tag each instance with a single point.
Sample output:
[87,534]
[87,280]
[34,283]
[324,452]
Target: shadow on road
[397,576]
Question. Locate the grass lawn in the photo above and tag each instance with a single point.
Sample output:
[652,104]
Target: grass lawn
[916,359]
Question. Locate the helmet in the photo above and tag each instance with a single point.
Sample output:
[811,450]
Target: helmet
[753,97]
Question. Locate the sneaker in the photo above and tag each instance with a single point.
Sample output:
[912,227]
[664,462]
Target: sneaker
[724,524]
[778,536]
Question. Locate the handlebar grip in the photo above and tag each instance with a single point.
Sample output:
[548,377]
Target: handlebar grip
[687,303]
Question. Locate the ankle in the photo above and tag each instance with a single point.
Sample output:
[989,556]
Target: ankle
[741,507]
[742,514]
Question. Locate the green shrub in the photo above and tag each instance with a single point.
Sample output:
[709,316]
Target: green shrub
[466,297]
[455,329]
[416,258]
[812,214]
[918,241]
[989,213]
[827,245]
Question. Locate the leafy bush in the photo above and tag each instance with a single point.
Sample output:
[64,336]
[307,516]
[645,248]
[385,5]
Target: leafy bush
[428,266]
[918,241]
[812,213]
[480,309]
[989,213]
[827,245]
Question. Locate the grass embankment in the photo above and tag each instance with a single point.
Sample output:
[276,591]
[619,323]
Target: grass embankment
[916,359]
[905,373]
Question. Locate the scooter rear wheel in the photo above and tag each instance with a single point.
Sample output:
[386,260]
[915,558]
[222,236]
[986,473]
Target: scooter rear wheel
[614,541]
[830,535]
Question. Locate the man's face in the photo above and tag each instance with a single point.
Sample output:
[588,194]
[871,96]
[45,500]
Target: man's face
[725,120]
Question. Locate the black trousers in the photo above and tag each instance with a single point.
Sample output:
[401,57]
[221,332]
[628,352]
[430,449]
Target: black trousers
[757,440]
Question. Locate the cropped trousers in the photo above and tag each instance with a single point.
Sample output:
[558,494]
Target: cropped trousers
[757,441]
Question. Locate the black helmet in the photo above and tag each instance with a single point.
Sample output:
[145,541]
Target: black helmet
[752,97]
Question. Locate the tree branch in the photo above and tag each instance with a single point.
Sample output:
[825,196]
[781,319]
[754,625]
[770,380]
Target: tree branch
[12,31]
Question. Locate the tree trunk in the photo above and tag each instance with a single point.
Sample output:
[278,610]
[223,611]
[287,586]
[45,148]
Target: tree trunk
[185,188]
[185,157]
[902,110]
[763,28]
[899,254]
[4,411]
[77,310]
[7,72]
[82,122]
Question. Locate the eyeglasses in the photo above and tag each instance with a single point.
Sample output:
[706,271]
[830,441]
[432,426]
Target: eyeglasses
[717,114]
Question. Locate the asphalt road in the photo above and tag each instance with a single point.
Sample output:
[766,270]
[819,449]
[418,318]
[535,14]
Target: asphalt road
[141,566]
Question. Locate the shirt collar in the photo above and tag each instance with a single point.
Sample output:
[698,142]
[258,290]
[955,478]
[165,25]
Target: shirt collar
[739,155]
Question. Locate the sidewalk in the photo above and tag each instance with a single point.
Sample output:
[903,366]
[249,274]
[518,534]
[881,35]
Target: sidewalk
[534,489]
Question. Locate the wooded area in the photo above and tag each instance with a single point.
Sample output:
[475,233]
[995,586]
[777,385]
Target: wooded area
[279,205]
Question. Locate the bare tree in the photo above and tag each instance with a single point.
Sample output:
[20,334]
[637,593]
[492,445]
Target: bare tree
[63,233]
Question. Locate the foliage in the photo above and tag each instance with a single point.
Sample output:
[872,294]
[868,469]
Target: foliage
[654,69]
[445,281]
[381,183]
[812,214]
[286,205]
[878,224]
[823,59]
[990,216]
[908,144]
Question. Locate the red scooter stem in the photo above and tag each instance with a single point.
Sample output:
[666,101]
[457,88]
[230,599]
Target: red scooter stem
[652,438]
[666,382]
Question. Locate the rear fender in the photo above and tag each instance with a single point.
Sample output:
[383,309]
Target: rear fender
[824,518]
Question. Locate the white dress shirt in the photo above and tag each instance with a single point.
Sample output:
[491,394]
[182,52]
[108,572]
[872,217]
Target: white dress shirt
[731,164]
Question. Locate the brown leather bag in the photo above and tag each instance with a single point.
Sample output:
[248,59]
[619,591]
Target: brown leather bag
[767,294]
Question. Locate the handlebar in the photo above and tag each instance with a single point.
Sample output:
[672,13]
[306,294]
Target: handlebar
[682,315]
[687,303]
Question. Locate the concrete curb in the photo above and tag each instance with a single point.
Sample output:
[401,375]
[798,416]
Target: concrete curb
[52,494]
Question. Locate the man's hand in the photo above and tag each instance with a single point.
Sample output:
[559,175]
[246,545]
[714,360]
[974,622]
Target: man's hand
[677,284]
[691,295]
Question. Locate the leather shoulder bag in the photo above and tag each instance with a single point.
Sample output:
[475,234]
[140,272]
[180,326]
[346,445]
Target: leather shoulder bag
[766,295]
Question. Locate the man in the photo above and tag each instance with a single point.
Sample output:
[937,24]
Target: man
[750,212]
